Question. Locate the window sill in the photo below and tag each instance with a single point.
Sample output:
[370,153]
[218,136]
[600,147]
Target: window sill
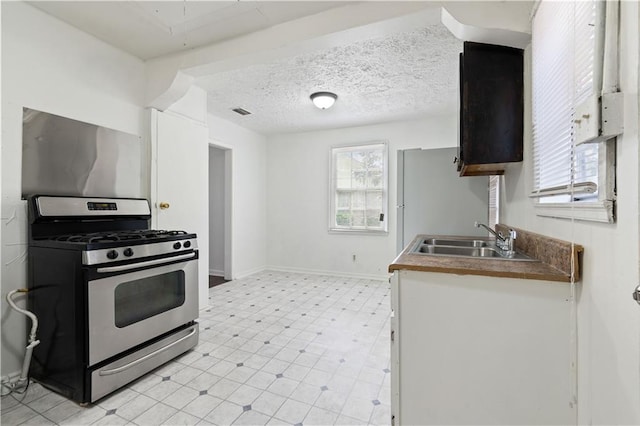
[599,211]
[358,232]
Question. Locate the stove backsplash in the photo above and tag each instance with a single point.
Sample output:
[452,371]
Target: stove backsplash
[61,156]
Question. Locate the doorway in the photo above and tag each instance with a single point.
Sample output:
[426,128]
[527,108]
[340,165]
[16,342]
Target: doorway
[219,215]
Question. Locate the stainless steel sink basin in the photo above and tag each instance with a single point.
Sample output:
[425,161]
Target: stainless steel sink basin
[454,242]
[458,251]
[470,248]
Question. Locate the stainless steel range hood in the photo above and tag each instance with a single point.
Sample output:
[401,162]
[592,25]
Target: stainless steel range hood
[61,156]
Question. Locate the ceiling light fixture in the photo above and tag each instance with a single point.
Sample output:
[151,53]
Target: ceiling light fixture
[323,100]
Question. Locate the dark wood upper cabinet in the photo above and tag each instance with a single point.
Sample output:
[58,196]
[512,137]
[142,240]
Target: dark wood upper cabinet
[491,108]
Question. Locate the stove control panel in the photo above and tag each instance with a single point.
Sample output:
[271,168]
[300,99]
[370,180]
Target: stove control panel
[101,256]
[69,207]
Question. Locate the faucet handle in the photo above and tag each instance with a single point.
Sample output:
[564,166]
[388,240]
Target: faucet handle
[511,242]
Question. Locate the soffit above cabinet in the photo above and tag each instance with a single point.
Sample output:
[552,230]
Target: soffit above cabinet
[149,29]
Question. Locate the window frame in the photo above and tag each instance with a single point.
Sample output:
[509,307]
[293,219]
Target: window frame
[589,208]
[333,228]
[600,210]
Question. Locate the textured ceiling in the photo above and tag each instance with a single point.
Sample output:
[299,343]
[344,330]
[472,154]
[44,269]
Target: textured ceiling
[397,77]
[404,70]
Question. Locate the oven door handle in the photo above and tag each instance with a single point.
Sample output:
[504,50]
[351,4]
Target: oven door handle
[146,357]
[154,262]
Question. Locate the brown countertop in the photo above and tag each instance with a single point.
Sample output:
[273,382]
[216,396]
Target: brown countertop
[553,260]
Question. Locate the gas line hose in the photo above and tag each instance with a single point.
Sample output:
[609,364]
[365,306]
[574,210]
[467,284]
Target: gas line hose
[32,342]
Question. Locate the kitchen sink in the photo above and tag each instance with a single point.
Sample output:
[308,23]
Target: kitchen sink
[465,247]
[455,242]
[458,251]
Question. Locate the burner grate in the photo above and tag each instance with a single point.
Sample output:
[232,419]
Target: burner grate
[99,237]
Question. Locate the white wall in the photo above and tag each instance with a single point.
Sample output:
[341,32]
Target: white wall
[248,195]
[298,187]
[216,210]
[49,66]
[608,319]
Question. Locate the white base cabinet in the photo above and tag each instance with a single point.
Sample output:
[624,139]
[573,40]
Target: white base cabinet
[480,350]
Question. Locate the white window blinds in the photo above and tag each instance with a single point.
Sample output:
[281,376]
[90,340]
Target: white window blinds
[494,201]
[565,73]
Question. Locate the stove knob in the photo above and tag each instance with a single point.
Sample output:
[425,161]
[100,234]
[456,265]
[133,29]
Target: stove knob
[128,252]
[177,246]
[112,254]
[187,244]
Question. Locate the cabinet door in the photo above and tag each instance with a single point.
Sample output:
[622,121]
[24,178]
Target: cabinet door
[460,154]
[481,350]
[395,358]
[492,108]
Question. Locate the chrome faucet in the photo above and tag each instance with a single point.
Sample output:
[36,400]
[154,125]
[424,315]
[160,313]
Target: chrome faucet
[504,243]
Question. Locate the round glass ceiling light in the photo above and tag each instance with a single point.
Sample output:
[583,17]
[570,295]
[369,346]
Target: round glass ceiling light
[323,100]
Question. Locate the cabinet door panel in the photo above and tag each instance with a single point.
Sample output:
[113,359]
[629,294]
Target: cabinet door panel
[491,108]
[481,350]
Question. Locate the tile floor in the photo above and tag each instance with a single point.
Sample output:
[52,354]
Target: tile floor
[275,348]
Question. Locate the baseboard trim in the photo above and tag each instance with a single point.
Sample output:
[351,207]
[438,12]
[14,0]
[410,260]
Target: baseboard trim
[216,272]
[248,272]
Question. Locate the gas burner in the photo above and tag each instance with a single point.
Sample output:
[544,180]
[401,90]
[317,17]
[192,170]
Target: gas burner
[172,233]
[94,237]
[151,233]
[98,238]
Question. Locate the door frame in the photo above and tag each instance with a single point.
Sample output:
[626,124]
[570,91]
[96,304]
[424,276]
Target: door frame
[400,202]
[228,205]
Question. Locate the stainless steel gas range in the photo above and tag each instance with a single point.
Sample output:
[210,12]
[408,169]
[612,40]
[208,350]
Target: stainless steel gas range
[114,299]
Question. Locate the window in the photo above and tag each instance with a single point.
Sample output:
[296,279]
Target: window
[570,178]
[494,201]
[359,188]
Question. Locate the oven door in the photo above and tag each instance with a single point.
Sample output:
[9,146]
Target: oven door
[130,308]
